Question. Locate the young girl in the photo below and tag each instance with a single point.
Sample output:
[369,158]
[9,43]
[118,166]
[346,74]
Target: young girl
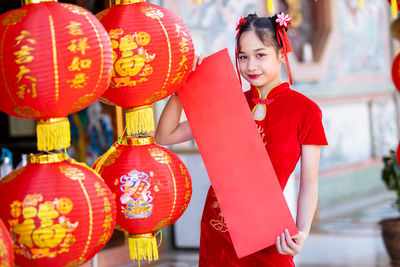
[289,124]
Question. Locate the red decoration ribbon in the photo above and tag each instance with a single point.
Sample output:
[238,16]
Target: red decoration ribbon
[257,100]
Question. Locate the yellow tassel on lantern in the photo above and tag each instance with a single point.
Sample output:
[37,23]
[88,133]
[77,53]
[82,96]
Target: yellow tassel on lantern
[394,8]
[360,3]
[143,247]
[271,6]
[139,120]
[53,134]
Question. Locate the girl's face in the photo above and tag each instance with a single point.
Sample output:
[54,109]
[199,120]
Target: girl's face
[259,64]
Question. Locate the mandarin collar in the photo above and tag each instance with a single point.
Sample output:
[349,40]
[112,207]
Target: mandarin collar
[274,91]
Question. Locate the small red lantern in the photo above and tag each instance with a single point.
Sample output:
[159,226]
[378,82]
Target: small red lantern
[398,153]
[152,188]
[152,55]
[396,72]
[59,211]
[6,250]
[56,59]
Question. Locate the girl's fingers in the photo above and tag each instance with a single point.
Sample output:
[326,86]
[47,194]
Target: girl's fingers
[278,245]
[197,61]
[284,246]
[201,57]
[290,243]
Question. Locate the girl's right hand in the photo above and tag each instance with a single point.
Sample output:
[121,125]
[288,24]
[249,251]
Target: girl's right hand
[197,61]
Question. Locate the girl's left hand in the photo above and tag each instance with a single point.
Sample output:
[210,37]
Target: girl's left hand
[197,61]
[288,245]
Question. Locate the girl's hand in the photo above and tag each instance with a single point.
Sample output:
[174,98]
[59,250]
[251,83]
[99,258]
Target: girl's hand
[197,61]
[288,245]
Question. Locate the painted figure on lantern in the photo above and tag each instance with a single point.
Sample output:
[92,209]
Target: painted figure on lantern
[136,195]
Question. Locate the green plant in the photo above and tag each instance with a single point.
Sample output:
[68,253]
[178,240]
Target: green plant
[391,175]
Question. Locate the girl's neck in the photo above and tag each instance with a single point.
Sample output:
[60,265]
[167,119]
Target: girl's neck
[267,87]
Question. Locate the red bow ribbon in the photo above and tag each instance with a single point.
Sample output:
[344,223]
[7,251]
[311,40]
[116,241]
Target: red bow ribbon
[257,100]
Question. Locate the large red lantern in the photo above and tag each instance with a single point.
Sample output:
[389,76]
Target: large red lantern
[59,212]
[6,250]
[152,188]
[55,59]
[152,55]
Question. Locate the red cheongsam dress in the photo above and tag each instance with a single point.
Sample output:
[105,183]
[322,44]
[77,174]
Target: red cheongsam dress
[291,120]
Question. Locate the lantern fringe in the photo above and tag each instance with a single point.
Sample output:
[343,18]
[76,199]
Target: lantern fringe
[53,134]
[139,121]
[143,247]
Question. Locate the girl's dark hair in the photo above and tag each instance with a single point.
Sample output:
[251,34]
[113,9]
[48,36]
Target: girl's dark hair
[264,27]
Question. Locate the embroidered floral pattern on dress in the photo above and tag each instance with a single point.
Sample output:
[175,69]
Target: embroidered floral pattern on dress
[218,224]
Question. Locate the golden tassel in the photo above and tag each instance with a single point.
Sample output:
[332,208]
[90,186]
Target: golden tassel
[360,3]
[394,8]
[143,247]
[199,2]
[271,6]
[53,134]
[139,120]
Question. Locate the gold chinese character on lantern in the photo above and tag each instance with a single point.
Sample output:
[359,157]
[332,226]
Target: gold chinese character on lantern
[74,28]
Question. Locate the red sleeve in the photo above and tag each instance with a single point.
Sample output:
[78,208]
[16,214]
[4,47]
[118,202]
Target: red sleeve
[311,128]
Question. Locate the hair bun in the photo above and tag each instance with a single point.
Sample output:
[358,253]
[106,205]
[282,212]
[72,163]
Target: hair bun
[251,17]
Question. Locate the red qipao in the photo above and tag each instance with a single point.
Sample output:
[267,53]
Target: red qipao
[291,120]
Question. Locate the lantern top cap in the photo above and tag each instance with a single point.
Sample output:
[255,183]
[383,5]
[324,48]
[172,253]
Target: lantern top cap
[47,158]
[137,140]
[27,2]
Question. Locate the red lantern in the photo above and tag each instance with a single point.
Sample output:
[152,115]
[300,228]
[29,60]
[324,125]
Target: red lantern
[6,250]
[152,188]
[58,211]
[56,59]
[398,153]
[152,55]
[396,72]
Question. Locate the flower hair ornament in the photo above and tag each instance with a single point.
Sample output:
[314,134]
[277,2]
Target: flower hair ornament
[283,21]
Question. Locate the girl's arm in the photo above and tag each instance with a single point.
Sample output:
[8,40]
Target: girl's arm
[307,202]
[169,130]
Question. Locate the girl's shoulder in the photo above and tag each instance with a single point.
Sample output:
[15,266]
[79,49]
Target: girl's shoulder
[300,101]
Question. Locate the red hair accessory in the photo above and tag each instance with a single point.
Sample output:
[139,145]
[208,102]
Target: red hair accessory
[239,24]
[283,23]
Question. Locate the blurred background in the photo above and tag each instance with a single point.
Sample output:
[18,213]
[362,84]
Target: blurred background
[342,59]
